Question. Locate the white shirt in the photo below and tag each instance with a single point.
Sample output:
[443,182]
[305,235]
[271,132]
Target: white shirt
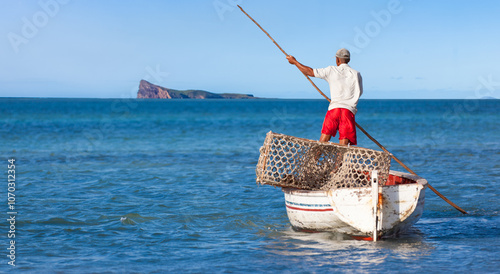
[346,86]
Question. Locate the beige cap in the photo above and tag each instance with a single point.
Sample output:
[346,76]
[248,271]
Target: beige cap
[343,53]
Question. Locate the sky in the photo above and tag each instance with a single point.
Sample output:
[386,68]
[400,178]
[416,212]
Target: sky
[101,49]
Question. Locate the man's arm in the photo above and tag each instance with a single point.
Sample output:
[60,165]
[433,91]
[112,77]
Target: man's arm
[305,69]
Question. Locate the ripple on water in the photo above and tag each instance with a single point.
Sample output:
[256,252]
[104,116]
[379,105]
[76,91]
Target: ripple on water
[169,186]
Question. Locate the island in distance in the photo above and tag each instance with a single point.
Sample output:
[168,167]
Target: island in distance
[148,90]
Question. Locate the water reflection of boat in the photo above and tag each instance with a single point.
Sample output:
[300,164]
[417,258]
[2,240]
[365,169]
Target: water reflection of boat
[337,249]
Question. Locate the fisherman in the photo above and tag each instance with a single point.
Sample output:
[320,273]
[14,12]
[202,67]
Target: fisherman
[346,86]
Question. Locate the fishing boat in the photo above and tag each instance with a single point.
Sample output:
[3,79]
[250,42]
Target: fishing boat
[348,190]
[341,189]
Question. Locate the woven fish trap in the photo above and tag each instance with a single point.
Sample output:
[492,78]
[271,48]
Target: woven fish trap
[288,161]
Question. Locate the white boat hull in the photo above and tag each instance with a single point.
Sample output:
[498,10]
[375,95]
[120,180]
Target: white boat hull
[350,210]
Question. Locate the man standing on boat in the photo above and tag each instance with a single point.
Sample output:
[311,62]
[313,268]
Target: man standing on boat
[346,86]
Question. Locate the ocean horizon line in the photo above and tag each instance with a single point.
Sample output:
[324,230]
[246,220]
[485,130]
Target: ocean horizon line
[254,99]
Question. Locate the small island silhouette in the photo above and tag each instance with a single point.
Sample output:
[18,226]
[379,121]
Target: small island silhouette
[151,91]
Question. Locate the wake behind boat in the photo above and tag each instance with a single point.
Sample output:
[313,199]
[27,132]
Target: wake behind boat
[348,190]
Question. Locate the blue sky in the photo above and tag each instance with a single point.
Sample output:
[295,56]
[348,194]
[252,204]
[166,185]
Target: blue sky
[102,49]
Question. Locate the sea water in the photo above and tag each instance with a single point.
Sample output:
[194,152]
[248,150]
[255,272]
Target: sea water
[154,186]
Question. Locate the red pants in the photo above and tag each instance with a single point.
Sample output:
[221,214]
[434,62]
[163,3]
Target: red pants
[341,120]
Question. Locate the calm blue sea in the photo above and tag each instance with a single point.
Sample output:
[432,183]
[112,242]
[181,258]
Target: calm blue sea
[155,186]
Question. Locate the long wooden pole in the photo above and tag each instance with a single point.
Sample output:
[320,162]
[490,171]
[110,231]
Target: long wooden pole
[362,129]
